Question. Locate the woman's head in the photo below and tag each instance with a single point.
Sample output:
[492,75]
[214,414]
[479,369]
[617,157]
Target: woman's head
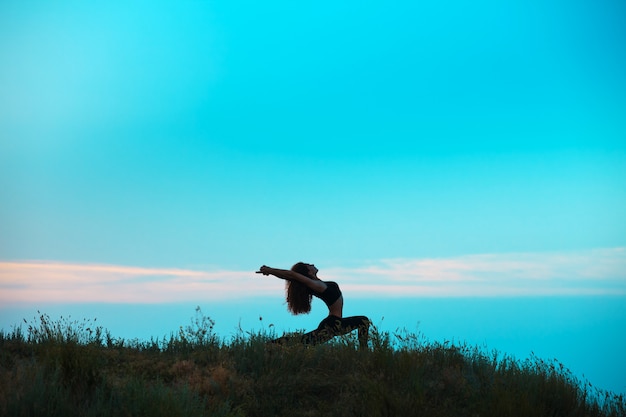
[298,295]
[308,270]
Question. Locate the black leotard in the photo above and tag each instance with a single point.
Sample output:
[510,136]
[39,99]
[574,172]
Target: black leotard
[331,294]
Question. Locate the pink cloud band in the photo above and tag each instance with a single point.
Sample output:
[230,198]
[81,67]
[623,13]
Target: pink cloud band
[592,272]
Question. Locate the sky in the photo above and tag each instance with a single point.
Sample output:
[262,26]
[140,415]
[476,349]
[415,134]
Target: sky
[468,157]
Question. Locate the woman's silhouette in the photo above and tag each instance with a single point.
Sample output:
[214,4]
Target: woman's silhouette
[302,284]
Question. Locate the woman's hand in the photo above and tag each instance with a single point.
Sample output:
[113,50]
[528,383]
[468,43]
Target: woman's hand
[265,270]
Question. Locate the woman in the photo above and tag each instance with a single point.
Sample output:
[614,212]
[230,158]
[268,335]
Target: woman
[302,284]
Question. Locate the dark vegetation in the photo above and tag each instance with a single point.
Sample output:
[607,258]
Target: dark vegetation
[71,368]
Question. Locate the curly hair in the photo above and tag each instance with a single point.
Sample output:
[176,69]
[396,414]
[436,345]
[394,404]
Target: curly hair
[298,295]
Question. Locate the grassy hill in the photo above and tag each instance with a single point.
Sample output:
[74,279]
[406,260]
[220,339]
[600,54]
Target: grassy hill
[71,368]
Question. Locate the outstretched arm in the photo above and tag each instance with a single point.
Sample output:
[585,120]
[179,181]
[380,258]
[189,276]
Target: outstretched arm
[279,273]
[289,275]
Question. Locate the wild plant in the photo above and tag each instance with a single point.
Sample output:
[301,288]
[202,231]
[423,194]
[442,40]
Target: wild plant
[69,367]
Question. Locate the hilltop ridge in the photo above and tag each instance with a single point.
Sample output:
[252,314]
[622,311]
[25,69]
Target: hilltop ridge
[76,368]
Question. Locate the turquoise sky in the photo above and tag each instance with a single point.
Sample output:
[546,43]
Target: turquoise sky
[440,148]
[231,134]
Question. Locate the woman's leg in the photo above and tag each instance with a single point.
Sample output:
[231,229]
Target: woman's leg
[323,333]
[361,323]
[333,326]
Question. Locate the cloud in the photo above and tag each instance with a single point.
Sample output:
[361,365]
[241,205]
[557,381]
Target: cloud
[37,282]
[591,272]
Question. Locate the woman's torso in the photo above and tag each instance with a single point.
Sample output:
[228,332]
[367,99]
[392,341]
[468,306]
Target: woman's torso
[332,298]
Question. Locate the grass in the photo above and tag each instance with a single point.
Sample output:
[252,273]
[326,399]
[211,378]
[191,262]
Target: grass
[71,368]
